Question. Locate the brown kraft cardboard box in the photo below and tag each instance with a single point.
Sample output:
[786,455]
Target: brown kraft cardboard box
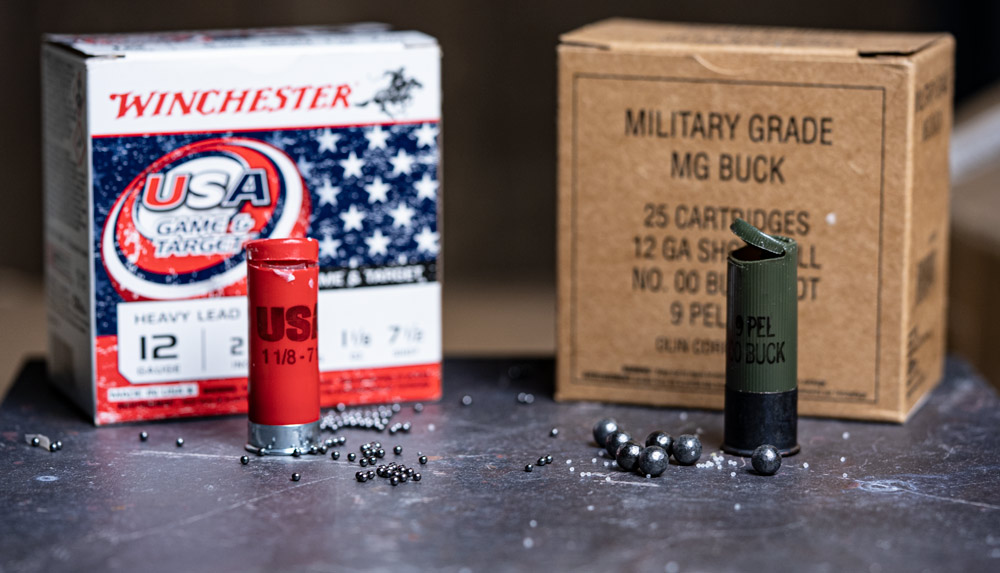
[667,132]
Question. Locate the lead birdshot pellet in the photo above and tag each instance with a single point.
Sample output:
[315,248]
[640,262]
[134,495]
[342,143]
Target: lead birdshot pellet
[466,400]
[143,436]
[244,460]
[296,477]
[180,442]
[422,459]
[528,467]
[335,455]
[351,457]
[53,447]
[397,450]
[554,432]
[416,476]
[540,462]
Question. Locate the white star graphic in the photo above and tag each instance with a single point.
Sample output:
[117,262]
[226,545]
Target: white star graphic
[402,215]
[402,163]
[352,165]
[427,240]
[328,141]
[328,247]
[426,135]
[277,140]
[352,219]
[378,190]
[376,137]
[377,243]
[327,193]
[305,168]
[426,187]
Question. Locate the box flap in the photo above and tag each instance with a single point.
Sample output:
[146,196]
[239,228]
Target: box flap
[644,35]
[336,37]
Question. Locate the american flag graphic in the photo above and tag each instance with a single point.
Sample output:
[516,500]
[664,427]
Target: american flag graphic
[374,191]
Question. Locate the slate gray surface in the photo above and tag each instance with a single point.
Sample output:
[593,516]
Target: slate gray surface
[924,496]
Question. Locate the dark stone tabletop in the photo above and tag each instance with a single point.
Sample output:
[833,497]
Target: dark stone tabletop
[924,496]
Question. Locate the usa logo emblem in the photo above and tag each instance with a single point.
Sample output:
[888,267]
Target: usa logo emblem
[178,229]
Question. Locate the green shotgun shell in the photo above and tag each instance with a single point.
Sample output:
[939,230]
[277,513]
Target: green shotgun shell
[761,343]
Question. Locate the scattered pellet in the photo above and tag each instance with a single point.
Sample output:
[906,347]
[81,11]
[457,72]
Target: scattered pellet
[766,460]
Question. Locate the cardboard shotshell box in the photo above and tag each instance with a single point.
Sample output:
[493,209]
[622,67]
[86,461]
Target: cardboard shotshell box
[165,153]
[839,140]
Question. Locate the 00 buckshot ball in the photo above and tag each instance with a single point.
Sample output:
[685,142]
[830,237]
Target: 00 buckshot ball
[616,440]
[603,429]
[653,461]
[766,460]
[687,449]
[627,456]
[662,439]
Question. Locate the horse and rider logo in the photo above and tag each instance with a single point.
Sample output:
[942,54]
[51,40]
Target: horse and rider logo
[394,98]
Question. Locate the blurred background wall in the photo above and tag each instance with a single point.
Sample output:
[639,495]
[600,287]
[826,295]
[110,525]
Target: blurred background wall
[499,123]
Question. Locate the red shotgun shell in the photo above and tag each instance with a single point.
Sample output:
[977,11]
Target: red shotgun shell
[282,283]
